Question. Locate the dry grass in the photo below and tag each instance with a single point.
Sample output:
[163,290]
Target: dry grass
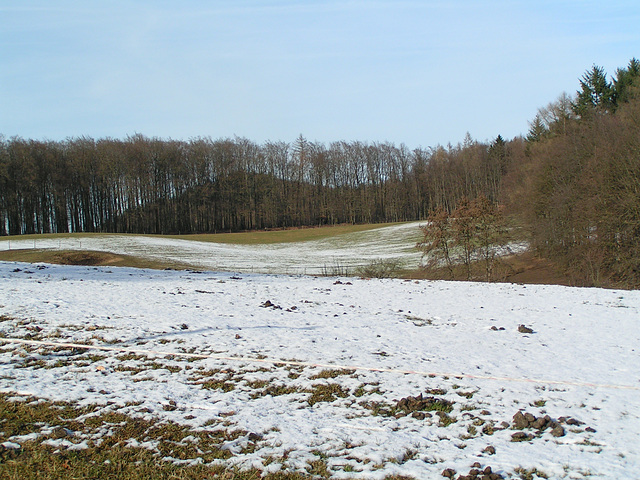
[290,235]
[105,445]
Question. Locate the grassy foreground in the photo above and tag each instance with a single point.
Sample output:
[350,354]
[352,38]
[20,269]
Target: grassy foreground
[51,427]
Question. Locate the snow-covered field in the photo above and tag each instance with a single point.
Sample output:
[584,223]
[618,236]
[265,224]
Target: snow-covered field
[315,367]
[344,252]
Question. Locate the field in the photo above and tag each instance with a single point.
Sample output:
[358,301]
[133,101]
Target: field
[204,374]
[341,249]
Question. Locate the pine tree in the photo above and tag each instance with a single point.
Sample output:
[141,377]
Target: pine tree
[596,93]
[624,81]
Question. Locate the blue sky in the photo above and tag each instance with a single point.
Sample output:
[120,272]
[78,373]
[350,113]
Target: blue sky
[421,73]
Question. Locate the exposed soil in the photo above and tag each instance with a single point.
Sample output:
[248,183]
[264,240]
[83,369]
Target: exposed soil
[87,258]
[84,257]
[523,268]
[527,268]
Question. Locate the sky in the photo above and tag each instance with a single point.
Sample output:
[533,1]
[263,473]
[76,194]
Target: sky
[422,73]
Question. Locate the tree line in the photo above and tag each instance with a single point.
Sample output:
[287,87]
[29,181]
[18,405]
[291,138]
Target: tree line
[155,186]
[575,188]
[584,164]
[573,182]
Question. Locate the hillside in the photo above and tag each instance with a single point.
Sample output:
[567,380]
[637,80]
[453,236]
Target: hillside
[336,377]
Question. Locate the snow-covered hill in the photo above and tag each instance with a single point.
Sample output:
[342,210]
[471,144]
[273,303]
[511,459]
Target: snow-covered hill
[318,367]
[345,252]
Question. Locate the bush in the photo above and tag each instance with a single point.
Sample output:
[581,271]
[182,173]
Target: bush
[380,268]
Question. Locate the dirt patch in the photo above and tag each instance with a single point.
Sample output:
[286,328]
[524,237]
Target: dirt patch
[528,268]
[86,258]
[523,268]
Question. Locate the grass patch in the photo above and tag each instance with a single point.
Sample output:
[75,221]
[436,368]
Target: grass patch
[280,236]
[327,393]
[331,373]
[67,441]
[108,445]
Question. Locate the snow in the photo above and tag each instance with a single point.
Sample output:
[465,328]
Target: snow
[582,361]
[346,251]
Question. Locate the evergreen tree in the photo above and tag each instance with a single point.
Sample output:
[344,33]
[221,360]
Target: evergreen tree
[624,81]
[537,129]
[596,93]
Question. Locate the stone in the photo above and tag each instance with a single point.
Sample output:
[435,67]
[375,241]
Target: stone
[524,329]
[448,472]
[520,437]
[539,423]
[558,431]
[520,421]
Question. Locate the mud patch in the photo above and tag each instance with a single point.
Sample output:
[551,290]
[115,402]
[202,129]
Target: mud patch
[86,258]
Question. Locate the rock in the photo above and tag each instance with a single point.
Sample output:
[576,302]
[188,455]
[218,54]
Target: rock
[573,421]
[539,423]
[590,430]
[558,431]
[490,450]
[520,437]
[520,421]
[487,471]
[448,472]
[60,432]
[476,465]
[524,329]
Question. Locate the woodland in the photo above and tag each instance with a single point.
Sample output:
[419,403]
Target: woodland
[572,183]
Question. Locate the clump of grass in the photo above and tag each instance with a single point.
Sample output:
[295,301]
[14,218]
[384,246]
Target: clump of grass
[223,385]
[326,393]
[318,468]
[369,388]
[446,420]
[332,373]
[466,394]
[276,390]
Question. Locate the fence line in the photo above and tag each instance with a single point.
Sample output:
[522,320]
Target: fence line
[234,358]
